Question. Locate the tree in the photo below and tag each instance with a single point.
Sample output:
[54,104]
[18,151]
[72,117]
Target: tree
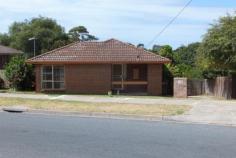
[75,32]
[80,33]
[156,48]
[49,35]
[185,62]
[47,32]
[186,54]
[218,49]
[19,73]
[140,45]
[166,51]
[5,39]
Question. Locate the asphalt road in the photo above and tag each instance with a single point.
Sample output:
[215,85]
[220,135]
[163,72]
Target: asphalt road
[42,136]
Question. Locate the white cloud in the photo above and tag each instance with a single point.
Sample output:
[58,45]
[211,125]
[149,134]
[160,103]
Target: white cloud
[127,19]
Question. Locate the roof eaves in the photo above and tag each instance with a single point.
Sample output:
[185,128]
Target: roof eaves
[95,62]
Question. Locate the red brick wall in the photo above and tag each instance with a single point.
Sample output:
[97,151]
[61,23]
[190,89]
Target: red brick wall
[95,78]
[83,79]
[154,79]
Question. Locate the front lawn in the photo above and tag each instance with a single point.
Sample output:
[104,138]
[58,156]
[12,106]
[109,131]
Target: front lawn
[105,108]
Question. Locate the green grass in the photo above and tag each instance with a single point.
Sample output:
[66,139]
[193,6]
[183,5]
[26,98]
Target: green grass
[104,108]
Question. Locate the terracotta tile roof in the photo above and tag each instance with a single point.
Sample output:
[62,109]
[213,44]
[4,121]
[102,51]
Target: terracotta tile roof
[110,51]
[7,50]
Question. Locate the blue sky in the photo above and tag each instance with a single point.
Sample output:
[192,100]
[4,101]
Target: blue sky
[134,21]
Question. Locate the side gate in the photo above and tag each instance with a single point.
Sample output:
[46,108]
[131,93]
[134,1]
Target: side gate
[234,86]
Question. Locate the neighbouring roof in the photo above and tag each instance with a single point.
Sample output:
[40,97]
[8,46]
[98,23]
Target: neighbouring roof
[8,51]
[110,51]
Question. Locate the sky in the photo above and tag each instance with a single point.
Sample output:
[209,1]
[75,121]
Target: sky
[133,21]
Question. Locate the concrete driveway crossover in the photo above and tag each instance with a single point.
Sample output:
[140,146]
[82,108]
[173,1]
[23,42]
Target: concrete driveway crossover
[210,111]
[204,109]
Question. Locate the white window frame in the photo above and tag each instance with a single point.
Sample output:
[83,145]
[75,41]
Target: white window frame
[52,81]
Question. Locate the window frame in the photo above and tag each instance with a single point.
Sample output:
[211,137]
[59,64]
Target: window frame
[52,80]
[136,74]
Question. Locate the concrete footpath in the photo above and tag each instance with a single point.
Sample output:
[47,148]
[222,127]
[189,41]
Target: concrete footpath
[205,110]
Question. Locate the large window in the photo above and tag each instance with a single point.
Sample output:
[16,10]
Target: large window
[53,77]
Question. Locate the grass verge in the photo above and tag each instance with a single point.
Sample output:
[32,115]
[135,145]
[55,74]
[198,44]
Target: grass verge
[103,108]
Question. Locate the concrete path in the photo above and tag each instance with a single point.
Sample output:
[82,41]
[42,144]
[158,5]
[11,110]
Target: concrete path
[205,109]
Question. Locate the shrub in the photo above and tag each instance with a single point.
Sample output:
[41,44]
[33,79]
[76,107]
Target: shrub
[19,74]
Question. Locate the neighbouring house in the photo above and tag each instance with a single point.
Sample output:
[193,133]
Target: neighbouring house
[5,55]
[99,67]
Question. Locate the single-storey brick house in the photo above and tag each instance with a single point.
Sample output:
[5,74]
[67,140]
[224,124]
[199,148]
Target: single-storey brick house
[98,67]
[5,55]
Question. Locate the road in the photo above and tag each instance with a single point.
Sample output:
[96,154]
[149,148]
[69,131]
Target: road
[55,136]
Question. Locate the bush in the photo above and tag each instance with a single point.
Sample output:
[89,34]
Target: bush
[19,74]
[183,70]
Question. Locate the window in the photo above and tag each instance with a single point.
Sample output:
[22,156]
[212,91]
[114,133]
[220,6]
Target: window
[119,72]
[53,77]
[135,74]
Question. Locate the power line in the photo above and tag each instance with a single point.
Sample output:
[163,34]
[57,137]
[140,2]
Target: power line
[168,24]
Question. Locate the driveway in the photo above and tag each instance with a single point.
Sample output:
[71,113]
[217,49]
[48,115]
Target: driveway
[54,136]
[204,109]
[208,110]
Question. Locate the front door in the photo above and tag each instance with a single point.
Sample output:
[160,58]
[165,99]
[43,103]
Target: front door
[117,76]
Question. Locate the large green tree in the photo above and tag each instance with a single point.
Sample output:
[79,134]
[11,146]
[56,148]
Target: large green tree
[185,61]
[218,49]
[186,54]
[48,34]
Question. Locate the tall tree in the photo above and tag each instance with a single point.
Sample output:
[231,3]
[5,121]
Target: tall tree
[185,61]
[218,49]
[5,39]
[48,34]
[186,54]
[80,33]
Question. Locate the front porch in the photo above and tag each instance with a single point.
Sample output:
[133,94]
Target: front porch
[130,78]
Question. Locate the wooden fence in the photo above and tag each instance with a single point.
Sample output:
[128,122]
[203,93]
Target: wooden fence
[223,87]
[219,87]
[195,87]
